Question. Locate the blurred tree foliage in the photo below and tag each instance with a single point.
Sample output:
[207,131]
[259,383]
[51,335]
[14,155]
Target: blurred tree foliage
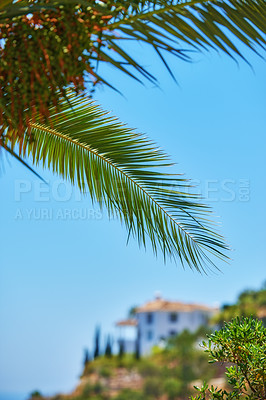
[35,395]
[167,374]
[249,302]
[45,47]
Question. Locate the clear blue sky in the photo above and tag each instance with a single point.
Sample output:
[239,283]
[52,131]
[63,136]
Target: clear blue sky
[61,277]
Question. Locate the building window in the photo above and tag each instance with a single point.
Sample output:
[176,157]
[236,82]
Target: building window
[172,333]
[149,335]
[149,318]
[173,317]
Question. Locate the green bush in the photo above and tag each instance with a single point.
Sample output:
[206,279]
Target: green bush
[249,303]
[242,343]
[105,372]
[152,387]
[128,361]
[90,390]
[147,369]
[35,395]
[128,394]
[173,388]
[89,369]
[98,388]
[87,390]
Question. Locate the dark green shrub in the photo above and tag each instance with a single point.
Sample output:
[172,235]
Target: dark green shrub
[87,390]
[128,394]
[147,369]
[242,343]
[90,390]
[152,388]
[105,372]
[172,388]
[35,395]
[98,388]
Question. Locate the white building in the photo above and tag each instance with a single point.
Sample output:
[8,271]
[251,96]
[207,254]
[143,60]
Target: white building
[159,319]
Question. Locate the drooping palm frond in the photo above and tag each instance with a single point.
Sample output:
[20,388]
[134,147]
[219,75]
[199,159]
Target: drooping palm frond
[129,175]
[177,26]
[19,159]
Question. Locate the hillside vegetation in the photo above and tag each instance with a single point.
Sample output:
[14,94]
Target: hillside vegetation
[170,373]
[167,374]
[249,303]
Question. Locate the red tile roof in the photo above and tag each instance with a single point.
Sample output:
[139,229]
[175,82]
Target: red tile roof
[127,322]
[164,305]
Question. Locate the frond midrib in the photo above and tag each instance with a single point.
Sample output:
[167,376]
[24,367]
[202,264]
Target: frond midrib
[113,165]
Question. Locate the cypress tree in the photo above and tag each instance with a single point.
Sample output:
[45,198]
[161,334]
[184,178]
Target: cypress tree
[108,349]
[121,351]
[86,357]
[137,348]
[97,343]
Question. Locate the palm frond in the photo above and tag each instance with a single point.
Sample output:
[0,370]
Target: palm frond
[18,158]
[169,26]
[9,9]
[128,174]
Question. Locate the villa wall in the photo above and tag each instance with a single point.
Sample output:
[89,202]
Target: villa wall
[159,326]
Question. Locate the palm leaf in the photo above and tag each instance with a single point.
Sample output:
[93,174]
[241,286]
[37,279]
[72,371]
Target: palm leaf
[18,158]
[168,26]
[8,9]
[128,174]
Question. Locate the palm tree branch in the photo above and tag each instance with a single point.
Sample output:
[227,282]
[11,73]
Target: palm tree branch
[18,158]
[147,15]
[123,170]
[164,25]
[107,161]
[202,24]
